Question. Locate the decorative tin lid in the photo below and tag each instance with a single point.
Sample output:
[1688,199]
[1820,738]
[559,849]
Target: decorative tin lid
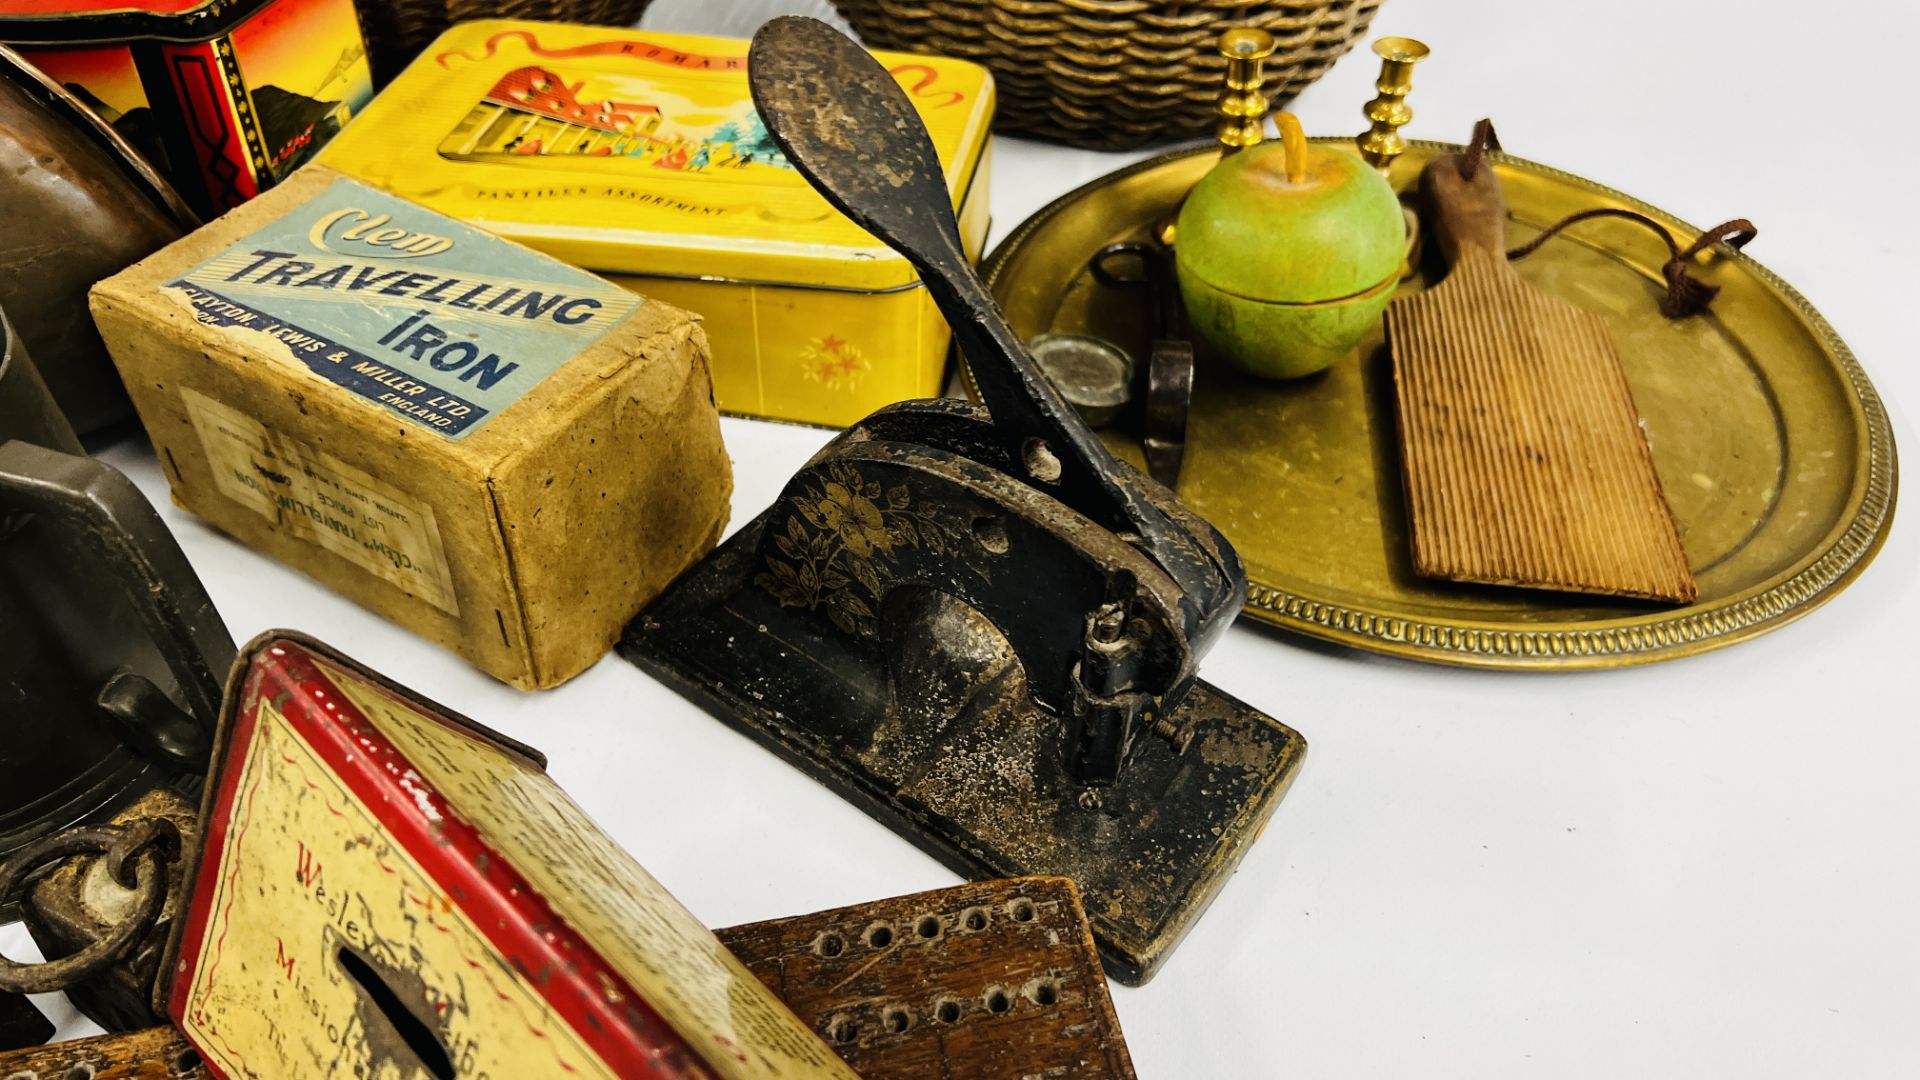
[636,152]
[40,9]
[86,21]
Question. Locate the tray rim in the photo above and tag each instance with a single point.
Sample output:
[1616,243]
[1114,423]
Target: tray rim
[1588,644]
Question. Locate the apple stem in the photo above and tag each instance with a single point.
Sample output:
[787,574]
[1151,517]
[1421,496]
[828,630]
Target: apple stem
[1293,139]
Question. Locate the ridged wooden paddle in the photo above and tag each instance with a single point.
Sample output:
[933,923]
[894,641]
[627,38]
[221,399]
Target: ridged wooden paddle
[1524,457]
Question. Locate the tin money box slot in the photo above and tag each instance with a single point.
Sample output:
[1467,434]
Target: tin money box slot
[500,452]
[639,155]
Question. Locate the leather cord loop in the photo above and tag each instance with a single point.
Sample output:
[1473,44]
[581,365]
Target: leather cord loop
[1686,295]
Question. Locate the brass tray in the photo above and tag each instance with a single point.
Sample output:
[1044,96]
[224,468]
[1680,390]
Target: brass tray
[1774,450]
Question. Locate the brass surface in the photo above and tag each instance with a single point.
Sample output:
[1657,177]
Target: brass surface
[1773,447]
[1388,112]
[1243,101]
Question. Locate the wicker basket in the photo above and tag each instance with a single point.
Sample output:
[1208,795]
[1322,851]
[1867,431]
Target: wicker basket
[1113,74]
[396,30]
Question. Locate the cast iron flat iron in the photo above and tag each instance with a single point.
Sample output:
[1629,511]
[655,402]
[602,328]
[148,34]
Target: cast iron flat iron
[111,654]
[27,408]
[974,622]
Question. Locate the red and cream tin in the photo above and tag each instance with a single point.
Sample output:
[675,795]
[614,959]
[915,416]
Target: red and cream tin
[385,888]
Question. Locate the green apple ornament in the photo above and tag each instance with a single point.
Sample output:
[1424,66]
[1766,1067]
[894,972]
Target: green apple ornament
[1287,253]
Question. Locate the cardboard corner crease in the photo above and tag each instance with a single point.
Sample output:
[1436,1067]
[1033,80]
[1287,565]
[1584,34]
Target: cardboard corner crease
[496,450]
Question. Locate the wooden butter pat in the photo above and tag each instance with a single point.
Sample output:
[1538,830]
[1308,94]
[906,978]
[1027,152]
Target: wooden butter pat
[497,450]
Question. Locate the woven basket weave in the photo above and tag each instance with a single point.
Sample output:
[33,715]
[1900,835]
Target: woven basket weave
[1113,74]
[397,30]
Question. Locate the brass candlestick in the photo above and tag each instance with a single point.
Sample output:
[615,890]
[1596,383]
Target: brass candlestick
[1389,111]
[1243,104]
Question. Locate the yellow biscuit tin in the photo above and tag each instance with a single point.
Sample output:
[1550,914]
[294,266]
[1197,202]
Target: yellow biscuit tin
[638,155]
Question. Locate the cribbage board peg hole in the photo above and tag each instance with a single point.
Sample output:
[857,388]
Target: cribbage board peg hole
[842,1029]
[947,1010]
[879,935]
[974,919]
[79,1072]
[927,926]
[896,1019]
[1042,992]
[998,1000]
[1021,909]
[829,945]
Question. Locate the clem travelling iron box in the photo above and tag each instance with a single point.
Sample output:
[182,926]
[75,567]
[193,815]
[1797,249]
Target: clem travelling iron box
[638,155]
[503,453]
[227,97]
[386,889]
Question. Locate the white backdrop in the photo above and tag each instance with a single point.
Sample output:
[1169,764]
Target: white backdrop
[1708,867]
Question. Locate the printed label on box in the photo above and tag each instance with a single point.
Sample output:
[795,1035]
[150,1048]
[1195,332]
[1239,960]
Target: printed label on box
[316,497]
[416,313]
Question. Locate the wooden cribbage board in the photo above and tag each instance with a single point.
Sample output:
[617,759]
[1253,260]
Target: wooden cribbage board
[991,979]
[1004,981]
[157,1053]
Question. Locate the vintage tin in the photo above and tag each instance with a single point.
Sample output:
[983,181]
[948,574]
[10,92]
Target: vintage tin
[385,888]
[227,96]
[638,155]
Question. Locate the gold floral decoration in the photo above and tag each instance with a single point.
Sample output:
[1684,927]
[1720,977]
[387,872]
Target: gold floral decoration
[848,530]
[834,362]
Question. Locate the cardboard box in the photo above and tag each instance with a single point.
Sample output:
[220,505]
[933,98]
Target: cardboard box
[227,97]
[498,451]
[639,155]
